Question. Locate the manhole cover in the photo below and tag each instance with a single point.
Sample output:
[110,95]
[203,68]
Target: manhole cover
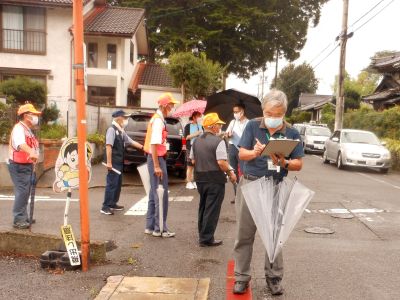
[319,230]
[342,216]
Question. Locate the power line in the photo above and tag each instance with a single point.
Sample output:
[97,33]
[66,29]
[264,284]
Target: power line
[366,22]
[371,9]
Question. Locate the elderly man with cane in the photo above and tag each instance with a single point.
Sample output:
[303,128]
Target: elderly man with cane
[255,136]
[23,155]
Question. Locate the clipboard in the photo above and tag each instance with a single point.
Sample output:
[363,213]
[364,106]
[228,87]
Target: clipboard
[284,146]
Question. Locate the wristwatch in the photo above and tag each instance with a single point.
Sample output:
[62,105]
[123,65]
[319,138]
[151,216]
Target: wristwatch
[286,165]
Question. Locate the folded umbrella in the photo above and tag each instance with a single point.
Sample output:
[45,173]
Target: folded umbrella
[276,208]
[160,194]
[33,192]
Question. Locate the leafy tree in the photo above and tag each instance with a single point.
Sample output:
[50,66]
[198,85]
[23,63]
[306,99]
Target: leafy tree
[22,89]
[354,89]
[299,117]
[328,115]
[241,35]
[294,80]
[198,76]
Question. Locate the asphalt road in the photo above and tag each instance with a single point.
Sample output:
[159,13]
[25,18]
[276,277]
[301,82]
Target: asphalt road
[358,261]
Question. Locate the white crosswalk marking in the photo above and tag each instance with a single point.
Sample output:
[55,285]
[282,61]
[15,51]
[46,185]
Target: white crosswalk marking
[346,211]
[140,207]
[38,198]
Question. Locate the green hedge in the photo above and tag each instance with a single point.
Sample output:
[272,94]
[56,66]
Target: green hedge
[54,131]
[394,148]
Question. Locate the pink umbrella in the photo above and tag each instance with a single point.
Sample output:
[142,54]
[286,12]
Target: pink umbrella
[187,108]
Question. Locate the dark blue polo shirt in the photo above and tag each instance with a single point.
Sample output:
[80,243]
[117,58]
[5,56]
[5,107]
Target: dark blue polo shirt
[259,166]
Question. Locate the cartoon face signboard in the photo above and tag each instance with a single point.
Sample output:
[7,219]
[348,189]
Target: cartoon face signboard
[67,171]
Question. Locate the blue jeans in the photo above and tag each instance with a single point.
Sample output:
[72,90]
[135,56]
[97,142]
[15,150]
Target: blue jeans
[21,175]
[113,187]
[233,155]
[153,216]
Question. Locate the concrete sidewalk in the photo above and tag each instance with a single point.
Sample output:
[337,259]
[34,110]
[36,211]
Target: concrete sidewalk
[144,288]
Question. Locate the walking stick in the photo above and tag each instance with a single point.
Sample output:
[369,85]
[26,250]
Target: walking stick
[33,191]
[160,193]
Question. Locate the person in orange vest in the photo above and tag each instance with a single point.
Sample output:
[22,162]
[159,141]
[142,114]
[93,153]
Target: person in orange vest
[156,147]
[23,155]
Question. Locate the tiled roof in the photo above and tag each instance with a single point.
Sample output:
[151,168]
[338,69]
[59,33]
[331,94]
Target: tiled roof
[65,3]
[383,95]
[387,64]
[119,21]
[306,99]
[155,75]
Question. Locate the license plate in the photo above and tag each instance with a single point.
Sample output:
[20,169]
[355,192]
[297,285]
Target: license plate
[371,162]
[320,147]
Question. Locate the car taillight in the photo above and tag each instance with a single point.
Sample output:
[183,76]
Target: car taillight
[183,143]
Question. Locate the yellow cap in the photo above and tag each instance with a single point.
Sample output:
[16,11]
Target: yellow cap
[28,108]
[166,98]
[211,119]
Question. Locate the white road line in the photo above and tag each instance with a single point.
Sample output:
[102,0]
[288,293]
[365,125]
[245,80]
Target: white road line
[38,198]
[140,207]
[347,211]
[380,181]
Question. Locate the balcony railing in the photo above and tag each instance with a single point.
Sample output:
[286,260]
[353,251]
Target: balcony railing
[24,41]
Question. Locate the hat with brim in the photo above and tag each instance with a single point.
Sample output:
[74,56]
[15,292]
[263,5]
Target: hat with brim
[120,113]
[28,108]
[212,119]
[166,98]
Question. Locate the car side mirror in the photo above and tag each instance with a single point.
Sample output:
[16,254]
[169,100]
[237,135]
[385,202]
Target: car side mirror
[335,139]
[383,143]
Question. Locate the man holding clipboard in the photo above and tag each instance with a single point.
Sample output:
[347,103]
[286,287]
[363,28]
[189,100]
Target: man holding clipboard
[258,144]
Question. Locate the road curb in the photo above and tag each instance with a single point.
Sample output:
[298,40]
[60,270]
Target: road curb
[29,243]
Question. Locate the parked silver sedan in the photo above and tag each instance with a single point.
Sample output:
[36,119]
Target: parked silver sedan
[350,147]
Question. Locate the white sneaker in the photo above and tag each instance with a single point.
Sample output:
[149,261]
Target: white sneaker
[190,185]
[156,233]
[194,184]
[168,234]
[148,231]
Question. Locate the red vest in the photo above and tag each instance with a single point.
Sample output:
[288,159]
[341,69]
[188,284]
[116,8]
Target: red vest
[19,156]
[161,149]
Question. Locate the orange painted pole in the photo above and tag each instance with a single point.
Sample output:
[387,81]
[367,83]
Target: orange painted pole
[81,128]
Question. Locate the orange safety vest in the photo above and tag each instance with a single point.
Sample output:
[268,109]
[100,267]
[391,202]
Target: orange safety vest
[161,149]
[19,156]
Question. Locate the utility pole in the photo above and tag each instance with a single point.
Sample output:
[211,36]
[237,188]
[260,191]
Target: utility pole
[81,128]
[342,64]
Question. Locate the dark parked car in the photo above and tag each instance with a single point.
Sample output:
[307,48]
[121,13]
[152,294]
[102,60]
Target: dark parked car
[136,129]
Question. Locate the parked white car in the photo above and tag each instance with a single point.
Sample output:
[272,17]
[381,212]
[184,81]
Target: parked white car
[314,138]
[350,147]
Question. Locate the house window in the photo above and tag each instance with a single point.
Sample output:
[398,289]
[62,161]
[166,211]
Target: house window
[92,55]
[111,56]
[101,95]
[131,52]
[23,29]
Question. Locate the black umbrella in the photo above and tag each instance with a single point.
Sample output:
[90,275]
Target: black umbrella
[33,191]
[223,102]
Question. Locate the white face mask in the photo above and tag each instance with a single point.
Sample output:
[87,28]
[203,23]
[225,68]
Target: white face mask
[237,116]
[199,120]
[273,122]
[34,120]
[124,123]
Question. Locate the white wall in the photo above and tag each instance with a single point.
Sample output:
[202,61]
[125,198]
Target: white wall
[149,97]
[57,58]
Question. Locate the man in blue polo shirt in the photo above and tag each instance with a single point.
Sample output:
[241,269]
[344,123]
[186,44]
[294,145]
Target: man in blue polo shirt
[255,136]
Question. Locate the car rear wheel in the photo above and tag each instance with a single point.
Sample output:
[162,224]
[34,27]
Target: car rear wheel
[339,162]
[325,159]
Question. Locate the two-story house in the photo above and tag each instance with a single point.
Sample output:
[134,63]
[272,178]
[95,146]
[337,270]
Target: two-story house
[36,40]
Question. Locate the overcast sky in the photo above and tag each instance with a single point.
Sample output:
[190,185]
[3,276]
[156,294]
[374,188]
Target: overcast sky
[381,33]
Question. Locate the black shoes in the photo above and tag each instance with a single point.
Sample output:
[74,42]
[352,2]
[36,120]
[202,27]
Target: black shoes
[274,285]
[240,287]
[106,211]
[214,243]
[117,207]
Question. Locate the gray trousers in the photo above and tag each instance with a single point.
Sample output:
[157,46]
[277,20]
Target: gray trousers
[245,234]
